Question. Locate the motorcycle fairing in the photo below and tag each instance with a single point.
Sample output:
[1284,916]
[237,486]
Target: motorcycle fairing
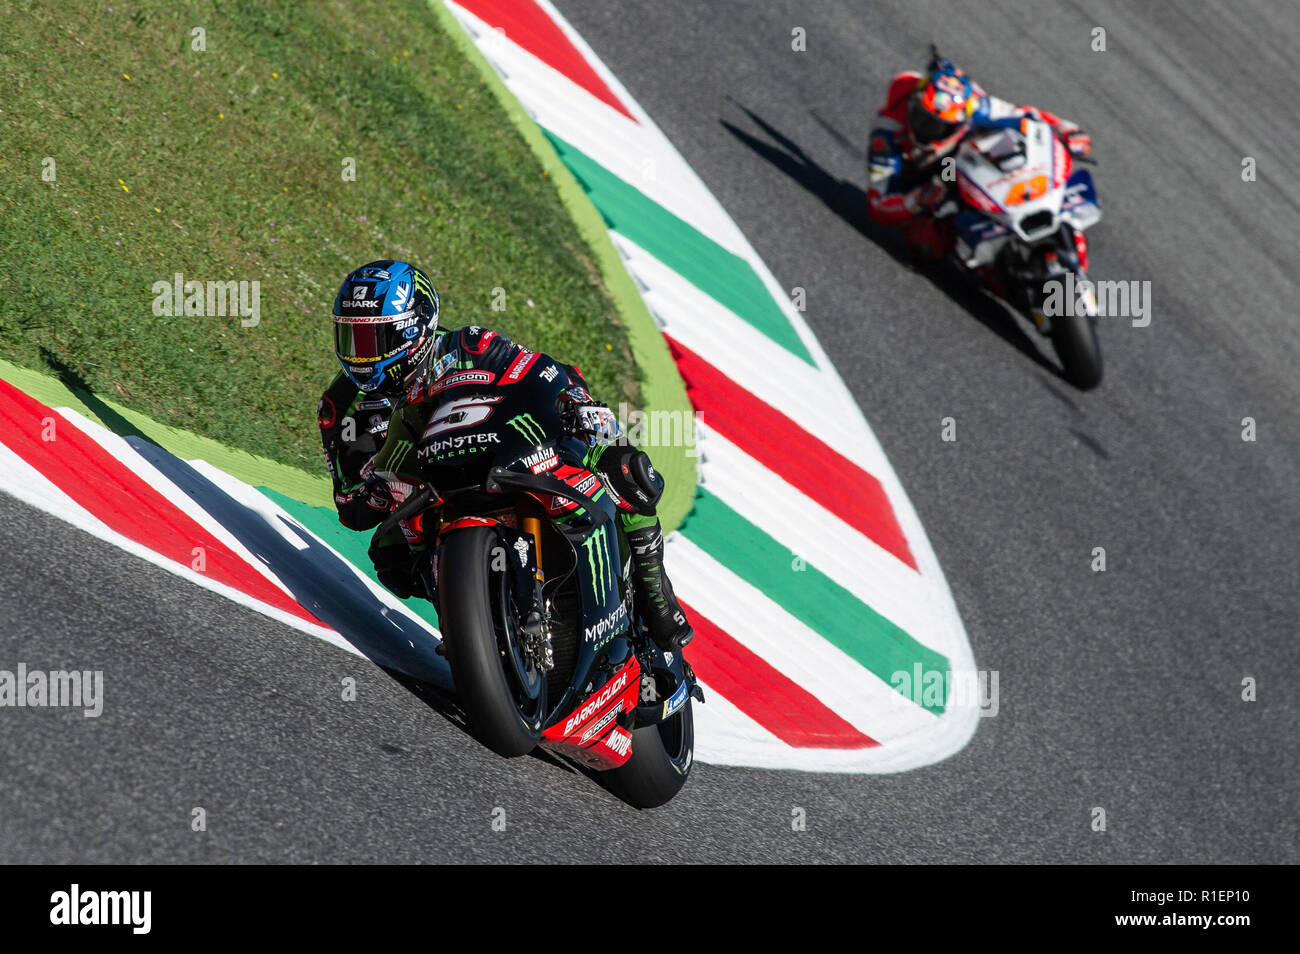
[593,733]
[1080,208]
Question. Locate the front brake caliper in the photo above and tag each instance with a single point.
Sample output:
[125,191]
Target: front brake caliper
[537,640]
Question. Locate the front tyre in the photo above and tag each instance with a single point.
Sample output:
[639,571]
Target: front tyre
[660,763]
[1075,339]
[503,695]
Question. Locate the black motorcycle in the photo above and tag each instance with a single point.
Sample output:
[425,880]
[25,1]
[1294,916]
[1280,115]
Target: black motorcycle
[534,601]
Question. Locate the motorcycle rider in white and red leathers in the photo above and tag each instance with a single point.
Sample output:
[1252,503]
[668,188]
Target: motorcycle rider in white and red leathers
[923,120]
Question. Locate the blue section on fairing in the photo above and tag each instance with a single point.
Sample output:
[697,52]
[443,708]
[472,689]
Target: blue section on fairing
[973,228]
[1079,189]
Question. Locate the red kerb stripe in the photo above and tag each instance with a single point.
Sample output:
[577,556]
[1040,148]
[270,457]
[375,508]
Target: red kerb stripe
[766,695]
[783,447]
[111,491]
[526,24]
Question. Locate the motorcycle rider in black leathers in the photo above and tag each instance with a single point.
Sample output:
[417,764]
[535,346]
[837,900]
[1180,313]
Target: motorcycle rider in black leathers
[392,352]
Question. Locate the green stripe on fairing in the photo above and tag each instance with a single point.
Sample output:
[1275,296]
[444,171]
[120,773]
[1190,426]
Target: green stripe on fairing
[352,545]
[809,595]
[722,275]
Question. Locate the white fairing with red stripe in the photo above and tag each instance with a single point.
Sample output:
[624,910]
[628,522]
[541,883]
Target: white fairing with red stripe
[1018,179]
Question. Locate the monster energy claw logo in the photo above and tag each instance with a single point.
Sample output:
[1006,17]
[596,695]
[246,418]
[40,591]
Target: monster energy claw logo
[400,449]
[422,284]
[598,557]
[527,427]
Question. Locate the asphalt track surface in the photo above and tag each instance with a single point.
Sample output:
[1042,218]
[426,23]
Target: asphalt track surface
[1119,690]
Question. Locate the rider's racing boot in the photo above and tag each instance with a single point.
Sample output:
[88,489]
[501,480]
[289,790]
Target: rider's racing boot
[660,610]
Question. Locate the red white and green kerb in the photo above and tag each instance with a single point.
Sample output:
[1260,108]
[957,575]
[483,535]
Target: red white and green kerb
[804,568]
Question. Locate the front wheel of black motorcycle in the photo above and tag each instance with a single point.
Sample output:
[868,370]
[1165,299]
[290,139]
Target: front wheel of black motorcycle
[660,762]
[1075,339]
[499,687]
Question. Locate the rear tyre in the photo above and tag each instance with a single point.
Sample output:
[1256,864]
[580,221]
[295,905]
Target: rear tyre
[1075,339]
[502,698]
[660,763]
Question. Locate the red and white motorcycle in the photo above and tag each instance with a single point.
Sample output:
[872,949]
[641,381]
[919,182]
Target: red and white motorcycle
[1019,221]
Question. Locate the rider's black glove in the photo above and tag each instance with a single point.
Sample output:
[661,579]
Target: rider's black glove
[402,583]
[396,567]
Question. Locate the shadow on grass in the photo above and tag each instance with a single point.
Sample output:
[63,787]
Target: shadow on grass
[74,382]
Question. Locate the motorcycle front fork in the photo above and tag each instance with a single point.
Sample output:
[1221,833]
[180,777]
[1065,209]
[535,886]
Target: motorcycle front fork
[1024,281]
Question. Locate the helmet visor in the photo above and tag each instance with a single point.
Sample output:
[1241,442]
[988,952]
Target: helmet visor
[372,352]
[927,127]
[363,340]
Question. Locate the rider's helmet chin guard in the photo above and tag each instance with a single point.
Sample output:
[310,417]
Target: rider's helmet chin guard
[939,111]
[385,324]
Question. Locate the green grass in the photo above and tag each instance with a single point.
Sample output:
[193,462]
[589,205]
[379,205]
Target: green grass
[230,163]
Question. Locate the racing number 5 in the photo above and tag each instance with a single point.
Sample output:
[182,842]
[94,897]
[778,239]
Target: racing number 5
[463,412]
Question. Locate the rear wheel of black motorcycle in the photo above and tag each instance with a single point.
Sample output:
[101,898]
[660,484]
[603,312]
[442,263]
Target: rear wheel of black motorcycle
[660,762]
[1075,339]
[503,700]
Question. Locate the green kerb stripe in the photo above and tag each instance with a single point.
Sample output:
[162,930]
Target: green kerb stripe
[723,276]
[351,545]
[808,595]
